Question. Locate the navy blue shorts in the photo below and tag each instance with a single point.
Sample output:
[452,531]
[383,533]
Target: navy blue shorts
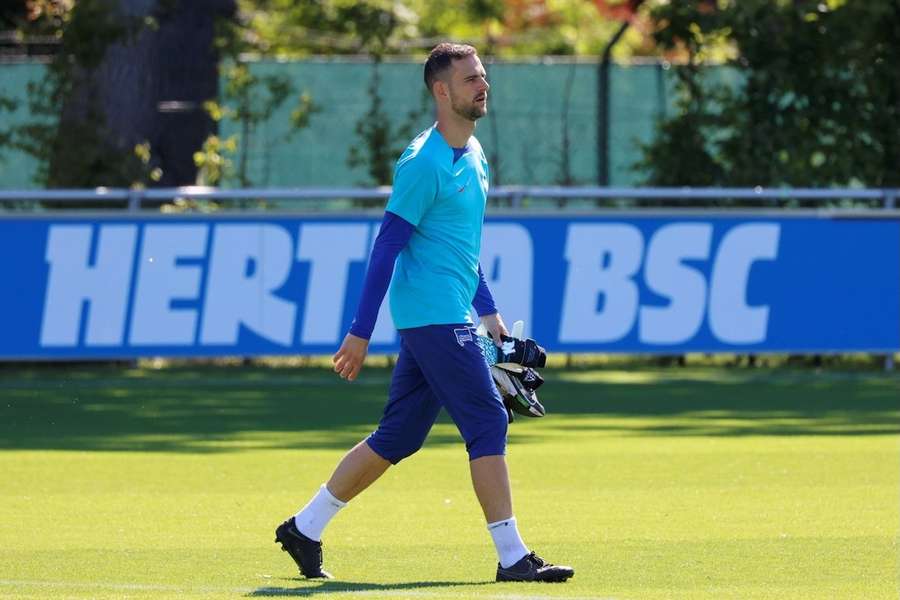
[440,366]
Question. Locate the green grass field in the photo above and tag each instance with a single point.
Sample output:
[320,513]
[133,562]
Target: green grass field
[668,483]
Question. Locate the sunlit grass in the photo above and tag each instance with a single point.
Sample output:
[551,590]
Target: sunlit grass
[653,483]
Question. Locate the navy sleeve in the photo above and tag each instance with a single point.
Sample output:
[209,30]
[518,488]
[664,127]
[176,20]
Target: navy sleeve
[483,301]
[392,238]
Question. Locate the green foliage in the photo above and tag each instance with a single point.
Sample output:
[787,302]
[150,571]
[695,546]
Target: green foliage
[496,27]
[250,99]
[7,105]
[287,27]
[67,133]
[683,152]
[213,160]
[72,147]
[485,10]
[303,111]
[381,142]
[819,103]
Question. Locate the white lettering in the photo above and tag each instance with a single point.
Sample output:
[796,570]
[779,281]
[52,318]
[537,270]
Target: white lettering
[73,281]
[603,259]
[666,275]
[248,263]
[731,320]
[160,281]
[329,248]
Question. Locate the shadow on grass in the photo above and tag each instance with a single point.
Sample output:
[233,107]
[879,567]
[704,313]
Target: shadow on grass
[215,409]
[732,403]
[336,587]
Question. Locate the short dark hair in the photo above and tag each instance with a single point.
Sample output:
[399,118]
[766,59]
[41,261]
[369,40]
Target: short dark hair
[441,57]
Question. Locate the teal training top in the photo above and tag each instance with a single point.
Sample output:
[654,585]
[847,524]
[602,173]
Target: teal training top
[436,274]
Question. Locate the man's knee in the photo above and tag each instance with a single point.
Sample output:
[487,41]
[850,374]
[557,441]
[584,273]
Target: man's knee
[489,440]
[393,448]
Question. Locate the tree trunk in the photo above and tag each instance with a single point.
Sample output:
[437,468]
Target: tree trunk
[149,88]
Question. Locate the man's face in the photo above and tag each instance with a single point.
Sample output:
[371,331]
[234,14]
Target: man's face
[468,88]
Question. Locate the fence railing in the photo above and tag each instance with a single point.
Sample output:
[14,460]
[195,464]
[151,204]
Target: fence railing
[512,196]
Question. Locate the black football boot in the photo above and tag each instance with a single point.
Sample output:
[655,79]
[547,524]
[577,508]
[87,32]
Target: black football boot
[306,553]
[533,568]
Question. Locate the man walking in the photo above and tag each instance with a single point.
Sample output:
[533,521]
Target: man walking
[432,230]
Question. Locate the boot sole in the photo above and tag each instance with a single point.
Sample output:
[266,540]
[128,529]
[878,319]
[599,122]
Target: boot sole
[558,578]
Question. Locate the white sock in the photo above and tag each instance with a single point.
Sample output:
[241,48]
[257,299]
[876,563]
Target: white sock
[313,517]
[509,544]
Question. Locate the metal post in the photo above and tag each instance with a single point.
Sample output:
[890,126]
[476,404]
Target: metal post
[603,110]
[134,200]
[890,201]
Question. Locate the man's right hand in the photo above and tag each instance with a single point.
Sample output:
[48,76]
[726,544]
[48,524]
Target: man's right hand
[348,360]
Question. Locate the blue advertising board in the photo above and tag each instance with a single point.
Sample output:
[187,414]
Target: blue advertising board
[115,286]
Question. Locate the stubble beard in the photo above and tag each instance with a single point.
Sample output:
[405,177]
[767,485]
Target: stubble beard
[470,112]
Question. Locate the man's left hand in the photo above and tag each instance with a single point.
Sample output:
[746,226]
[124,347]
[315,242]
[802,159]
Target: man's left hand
[348,360]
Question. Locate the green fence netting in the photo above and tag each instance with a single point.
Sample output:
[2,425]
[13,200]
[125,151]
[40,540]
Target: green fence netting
[532,106]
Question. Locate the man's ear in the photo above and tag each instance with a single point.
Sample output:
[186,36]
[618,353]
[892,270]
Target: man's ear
[440,88]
